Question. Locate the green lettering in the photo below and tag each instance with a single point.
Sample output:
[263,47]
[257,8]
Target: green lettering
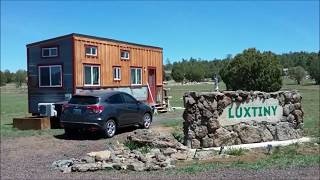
[238,115]
[274,108]
[260,112]
[266,111]
[230,114]
[254,111]
[247,112]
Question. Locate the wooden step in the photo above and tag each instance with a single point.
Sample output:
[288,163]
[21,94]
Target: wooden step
[162,110]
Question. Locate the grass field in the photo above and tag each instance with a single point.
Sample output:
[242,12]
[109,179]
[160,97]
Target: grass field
[14,104]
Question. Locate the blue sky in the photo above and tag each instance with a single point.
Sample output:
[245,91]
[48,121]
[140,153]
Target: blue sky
[204,29]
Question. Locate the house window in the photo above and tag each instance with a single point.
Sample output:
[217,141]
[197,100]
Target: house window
[136,76]
[91,51]
[49,52]
[91,75]
[124,55]
[116,73]
[50,76]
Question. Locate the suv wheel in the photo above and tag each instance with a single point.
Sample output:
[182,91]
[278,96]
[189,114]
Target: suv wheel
[70,132]
[110,128]
[146,121]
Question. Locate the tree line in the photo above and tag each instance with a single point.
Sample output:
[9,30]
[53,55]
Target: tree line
[295,65]
[19,77]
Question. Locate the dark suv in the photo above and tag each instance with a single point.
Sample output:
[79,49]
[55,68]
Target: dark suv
[106,111]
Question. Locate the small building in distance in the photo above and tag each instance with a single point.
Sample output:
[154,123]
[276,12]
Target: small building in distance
[77,63]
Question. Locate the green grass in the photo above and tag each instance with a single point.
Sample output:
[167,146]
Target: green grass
[16,105]
[172,123]
[144,149]
[235,151]
[281,157]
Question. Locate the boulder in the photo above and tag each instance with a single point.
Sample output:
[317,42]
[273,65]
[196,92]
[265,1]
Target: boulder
[212,125]
[285,131]
[223,137]
[265,134]
[298,115]
[136,166]
[100,155]
[154,139]
[206,142]
[249,134]
[86,167]
[290,118]
[169,151]
[88,159]
[179,156]
[195,143]
[201,131]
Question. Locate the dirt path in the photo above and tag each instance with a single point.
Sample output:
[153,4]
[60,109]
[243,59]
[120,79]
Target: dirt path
[31,157]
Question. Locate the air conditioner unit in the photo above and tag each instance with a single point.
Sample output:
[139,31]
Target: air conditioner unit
[47,109]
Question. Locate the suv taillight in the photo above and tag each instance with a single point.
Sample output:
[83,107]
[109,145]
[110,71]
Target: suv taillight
[96,108]
[64,107]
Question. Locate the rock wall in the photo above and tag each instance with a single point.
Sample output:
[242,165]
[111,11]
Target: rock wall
[203,126]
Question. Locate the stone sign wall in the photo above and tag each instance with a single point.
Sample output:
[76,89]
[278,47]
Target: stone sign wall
[238,117]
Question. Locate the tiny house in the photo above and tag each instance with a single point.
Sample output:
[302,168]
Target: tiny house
[77,63]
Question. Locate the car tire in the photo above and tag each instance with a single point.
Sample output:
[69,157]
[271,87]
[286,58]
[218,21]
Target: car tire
[70,132]
[110,128]
[146,121]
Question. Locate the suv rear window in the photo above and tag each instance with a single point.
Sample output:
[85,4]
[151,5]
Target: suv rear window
[84,100]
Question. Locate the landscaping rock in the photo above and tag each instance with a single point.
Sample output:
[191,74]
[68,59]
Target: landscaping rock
[100,155]
[206,142]
[179,156]
[169,151]
[136,166]
[249,134]
[223,137]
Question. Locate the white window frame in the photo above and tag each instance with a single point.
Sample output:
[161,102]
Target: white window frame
[127,52]
[91,47]
[50,66]
[91,67]
[136,75]
[50,52]
[117,75]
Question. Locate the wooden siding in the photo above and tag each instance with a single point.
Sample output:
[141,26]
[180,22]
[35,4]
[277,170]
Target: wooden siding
[109,56]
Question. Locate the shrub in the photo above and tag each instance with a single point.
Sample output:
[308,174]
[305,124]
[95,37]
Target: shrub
[177,73]
[314,69]
[131,145]
[252,70]
[236,151]
[143,148]
[178,135]
[297,73]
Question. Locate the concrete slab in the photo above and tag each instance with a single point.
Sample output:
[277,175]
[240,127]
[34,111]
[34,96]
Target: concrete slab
[256,145]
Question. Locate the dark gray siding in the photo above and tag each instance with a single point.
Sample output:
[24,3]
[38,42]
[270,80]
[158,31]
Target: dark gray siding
[49,94]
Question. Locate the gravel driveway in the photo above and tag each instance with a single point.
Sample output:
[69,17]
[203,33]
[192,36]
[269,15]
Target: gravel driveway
[31,157]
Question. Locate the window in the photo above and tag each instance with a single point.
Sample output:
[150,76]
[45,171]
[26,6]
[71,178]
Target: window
[83,100]
[136,76]
[116,73]
[115,99]
[91,75]
[128,99]
[124,54]
[49,52]
[91,50]
[50,76]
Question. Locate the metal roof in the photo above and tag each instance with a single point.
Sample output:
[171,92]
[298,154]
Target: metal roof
[91,37]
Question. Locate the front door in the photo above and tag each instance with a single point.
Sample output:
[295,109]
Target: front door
[152,85]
